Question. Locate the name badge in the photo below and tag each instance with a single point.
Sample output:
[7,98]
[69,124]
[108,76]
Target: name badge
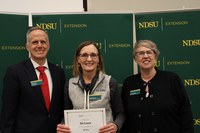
[135,92]
[36,83]
[95,97]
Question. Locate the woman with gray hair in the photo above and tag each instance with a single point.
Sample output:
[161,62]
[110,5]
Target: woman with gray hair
[154,100]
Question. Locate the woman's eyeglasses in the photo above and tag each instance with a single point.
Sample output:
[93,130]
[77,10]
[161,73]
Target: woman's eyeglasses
[142,53]
[86,55]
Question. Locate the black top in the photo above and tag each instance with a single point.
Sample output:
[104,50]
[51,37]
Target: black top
[166,110]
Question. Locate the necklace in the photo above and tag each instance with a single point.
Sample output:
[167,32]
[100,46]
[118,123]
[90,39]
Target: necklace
[147,90]
[147,78]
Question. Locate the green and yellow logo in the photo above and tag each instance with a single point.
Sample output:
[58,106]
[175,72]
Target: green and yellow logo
[47,26]
[146,25]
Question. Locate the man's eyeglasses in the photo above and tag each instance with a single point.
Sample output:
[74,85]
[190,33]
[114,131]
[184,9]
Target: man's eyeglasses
[142,53]
[86,55]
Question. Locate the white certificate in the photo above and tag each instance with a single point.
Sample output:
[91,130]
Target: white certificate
[85,120]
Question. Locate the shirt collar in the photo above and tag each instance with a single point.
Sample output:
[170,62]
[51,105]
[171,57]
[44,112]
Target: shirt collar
[35,64]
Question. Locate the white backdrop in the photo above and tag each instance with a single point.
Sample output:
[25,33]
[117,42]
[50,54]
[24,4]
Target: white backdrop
[42,6]
[141,5]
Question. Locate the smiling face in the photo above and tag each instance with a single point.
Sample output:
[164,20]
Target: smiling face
[38,45]
[89,59]
[145,58]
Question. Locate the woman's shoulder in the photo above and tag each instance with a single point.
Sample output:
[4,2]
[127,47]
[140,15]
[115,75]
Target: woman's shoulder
[133,77]
[166,72]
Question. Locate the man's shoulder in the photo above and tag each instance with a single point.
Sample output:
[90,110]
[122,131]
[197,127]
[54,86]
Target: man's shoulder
[19,65]
[55,66]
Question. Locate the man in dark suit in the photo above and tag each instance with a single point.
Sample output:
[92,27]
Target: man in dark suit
[24,109]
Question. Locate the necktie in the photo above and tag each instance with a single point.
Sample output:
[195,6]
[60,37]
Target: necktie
[44,86]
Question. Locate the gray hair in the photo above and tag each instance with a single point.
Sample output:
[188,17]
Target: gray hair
[33,29]
[148,44]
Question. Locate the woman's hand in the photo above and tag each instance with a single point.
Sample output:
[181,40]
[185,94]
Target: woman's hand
[109,128]
[62,128]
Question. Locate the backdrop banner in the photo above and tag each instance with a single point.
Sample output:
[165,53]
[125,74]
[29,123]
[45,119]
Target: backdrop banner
[177,35]
[12,42]
[112,32]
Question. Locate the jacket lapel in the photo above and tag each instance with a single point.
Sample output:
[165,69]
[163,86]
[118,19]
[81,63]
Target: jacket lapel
[30,70]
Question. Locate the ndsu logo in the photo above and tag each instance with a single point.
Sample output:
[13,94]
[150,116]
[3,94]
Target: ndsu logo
[145,25]
[192,82]
[195,42]
[47,26]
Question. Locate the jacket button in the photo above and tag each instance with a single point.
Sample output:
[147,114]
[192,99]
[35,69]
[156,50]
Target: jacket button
[155,130]
[151,96]
[139,115]
[153,113]
[141,98]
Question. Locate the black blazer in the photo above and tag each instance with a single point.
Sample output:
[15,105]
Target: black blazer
[23,109]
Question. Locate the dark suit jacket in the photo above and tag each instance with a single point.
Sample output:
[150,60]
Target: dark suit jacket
[23,109]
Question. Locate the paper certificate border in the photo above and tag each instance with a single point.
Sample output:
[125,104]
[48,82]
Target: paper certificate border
[69,113]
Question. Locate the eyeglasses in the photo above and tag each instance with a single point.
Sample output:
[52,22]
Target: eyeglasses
[142,53]
[86,55]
